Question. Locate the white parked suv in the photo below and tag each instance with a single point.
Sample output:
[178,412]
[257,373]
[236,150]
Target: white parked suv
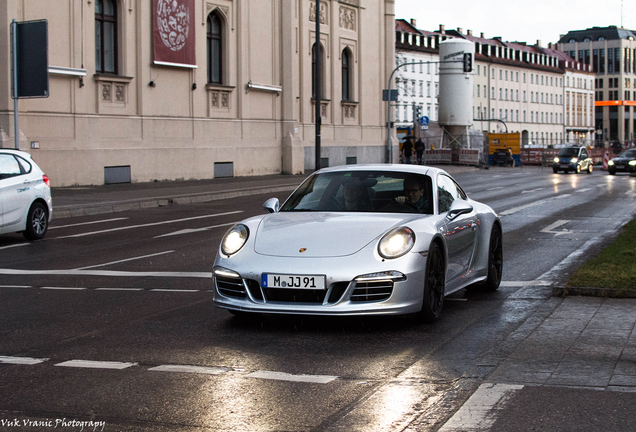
[25,195]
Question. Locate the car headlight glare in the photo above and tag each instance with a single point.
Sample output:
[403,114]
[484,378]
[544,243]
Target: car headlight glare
[611,162]
[234,240]
[574,160]
[396,243]
[632,163]
[556,160]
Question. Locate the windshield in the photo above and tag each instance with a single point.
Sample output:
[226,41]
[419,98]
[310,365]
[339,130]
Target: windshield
[363,191]
[569,151]
[629,154]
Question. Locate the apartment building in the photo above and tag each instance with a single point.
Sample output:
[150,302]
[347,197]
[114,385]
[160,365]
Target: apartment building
[611,52]
[517,87]
[191,89]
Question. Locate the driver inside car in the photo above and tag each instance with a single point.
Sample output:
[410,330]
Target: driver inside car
[413,194]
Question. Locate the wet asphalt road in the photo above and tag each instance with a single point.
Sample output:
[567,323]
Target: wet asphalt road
[115,313]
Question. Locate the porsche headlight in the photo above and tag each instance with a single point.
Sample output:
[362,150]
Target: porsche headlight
[396,243]
[556,160]
[632,163]
[574,160]
[234,240]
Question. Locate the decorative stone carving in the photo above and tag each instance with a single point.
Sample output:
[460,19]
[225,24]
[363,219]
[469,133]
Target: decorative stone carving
[347,18]
[120,95]
[106,92]
[323,12]
[215,99]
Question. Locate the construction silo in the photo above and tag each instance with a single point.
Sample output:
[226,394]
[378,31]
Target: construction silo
[455,92]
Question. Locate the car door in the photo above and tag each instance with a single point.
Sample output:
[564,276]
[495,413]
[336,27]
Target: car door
[15,190]
[584,157]
[460,229]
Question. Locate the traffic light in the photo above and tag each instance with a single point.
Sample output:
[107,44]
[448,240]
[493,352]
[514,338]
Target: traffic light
[468,62]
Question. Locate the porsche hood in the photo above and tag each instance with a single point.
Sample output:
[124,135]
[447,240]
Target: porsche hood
[318,234]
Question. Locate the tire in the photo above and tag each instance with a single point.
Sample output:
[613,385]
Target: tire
[434,284]
[578,169]
[37,222]
[556,171]
[495,260]
[611,172]
[590,168]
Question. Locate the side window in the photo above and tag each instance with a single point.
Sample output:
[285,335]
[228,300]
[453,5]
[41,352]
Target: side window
[447,192]
[215,48]
[106,36]
[9,166]
[584,154]
[26,166]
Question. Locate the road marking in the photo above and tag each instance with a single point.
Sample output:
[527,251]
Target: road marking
[96,364]
[479,412]
[194,230]
[191,369]
[533,190]
[21,360]
[119,289]
[173,290]
[15,286]
[550,228]
[114,273]
[14,245]
[495,188]
[64,288]
[150,224]
[583,190]
[532,204]
[557,271]
[87,223]
[282,376]
[126,260]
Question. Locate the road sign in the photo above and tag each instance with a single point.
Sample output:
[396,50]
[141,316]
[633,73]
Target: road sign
[424,121]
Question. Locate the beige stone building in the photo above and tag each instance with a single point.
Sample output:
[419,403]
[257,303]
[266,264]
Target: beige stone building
[240,105]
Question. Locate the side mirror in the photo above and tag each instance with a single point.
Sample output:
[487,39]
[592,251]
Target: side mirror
[272,205]
[458,207]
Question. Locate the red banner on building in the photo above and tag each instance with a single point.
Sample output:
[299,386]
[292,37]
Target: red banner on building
[173,32]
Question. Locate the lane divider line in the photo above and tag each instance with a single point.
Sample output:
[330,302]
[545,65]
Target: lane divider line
[282,376]
[126,260]
[22,360]
[191,369]
[91,364]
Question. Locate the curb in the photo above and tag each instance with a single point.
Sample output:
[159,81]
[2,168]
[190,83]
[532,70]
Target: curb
[594,292]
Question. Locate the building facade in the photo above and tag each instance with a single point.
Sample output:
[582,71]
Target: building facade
[517,87]
[611,52]
[123,106]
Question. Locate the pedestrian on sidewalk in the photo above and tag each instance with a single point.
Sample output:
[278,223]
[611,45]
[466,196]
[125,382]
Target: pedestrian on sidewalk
[407,149]
[419,150]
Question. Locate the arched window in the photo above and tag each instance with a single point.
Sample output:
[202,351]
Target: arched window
[313,71]
[106,36]
[347,91]
[215,48]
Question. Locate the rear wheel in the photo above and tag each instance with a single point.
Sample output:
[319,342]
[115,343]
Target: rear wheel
[590,168]
[495,259]
[434,283]
[37,222]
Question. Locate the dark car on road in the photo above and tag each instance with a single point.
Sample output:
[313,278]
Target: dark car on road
[626,162]
[575,159]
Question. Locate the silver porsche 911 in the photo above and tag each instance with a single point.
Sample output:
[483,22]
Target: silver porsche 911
[361,240]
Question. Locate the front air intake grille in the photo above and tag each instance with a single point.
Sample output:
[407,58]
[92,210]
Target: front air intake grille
[231,287]
[337,290]
[284,295]
[372,291]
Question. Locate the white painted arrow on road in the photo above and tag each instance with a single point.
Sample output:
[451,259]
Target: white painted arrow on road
[550,228]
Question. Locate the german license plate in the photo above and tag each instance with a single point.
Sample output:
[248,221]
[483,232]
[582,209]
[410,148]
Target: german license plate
[565,166]
[310,282]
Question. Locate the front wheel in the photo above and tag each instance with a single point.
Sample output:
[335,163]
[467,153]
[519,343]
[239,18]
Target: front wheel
[554,170]
[578,169]
[495,260]
[611,172]
[37,222]
[434,284]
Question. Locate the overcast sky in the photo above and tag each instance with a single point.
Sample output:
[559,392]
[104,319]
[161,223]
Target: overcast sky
[523,21]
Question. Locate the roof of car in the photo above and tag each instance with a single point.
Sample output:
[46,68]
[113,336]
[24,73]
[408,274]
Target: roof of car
[16,152]
[405,168]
